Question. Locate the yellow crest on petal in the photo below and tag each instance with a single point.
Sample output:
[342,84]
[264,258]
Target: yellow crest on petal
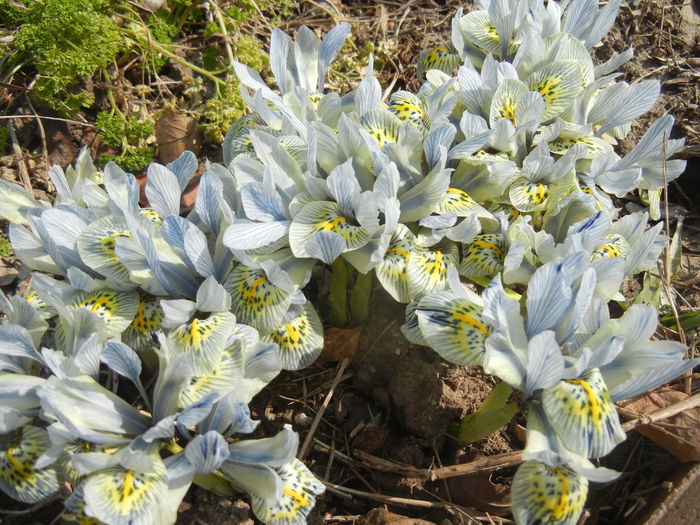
[325,216]
[152,215]
[299,491]
[222,379]
[582,413]
[97,243]
[255,300]
[617,246]
[116,309]
[392,272]
[128,496]
[479,30]
[300,340]
[453,327]
[382,125]
[409,108]
[202,340]
[139,335]
[484,256]
[18,477]
[528,196]
[443,57]
[547,495]
[559,83]
[595,146]
[46,311]
[427,268]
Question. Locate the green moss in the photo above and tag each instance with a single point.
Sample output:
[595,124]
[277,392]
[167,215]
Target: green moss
[5,247]
[250,52]
[277,10]
[129,135]
[163,29]
[65,41]
[132,159]
[114,129]
[10,13]
[220,112]
[111,127]
[137,130]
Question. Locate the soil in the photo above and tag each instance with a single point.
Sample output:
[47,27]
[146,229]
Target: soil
[399,402]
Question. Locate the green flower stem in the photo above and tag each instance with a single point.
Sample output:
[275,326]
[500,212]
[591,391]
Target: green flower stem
[360,296]
[216,483]
[337,298]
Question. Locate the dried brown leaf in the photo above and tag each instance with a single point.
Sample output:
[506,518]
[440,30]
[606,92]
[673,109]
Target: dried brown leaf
[680,434]
[340,343]
[479,491]
[175,134]
[384,517]
[371,439]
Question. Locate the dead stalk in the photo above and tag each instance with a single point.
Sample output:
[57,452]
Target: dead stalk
[658,415]
[312,430]
[668,268]
[19,158]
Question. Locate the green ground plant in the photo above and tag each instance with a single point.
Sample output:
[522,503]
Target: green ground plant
[5,247]
[128,135]
[73,56]
[219,113]
[483,202]
[63,58]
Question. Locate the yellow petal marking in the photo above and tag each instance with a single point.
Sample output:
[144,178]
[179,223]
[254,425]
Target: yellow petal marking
[251,292]
[607,249]
[401,252]
[195,336]
[139,312]
[436,265]
[99,303]
[486,244]
[562,507]
[508,111]
[293,333]
[592,399]
[547,87]
[491,32]
[301,500]
[459,192]
[128,484]
[468,319]
[330,225]
[16,465]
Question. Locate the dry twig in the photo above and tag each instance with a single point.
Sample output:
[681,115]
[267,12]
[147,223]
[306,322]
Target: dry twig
[658,415]
[307,440]
[405,502]
[42,134]
[19,158]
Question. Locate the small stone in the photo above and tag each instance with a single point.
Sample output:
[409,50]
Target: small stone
[302,419]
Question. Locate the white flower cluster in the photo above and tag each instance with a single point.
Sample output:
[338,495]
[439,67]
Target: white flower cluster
[498,171]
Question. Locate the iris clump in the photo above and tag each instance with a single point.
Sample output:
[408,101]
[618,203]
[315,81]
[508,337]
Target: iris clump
[482,202]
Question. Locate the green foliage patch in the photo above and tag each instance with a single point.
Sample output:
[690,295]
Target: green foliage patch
[66,40]
[5,247]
